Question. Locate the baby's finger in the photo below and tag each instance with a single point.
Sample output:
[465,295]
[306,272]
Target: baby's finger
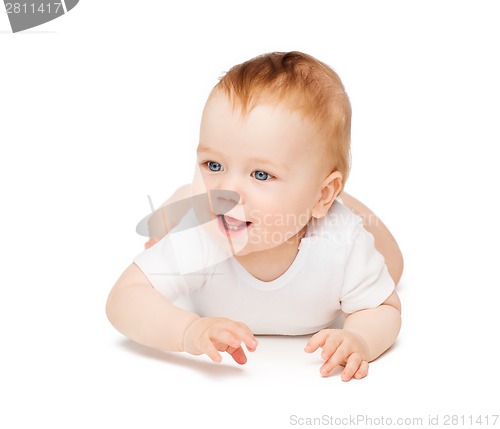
[332,343]
[246,335]
[338,358]
[210,350]
[362,371]
[238,355]
[352,365]
[316,341]
[223,338]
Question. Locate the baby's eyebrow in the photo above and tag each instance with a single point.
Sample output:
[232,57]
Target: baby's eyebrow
[201,148]
[268,162]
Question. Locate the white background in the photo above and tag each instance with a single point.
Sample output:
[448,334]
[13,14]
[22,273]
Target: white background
[101,107]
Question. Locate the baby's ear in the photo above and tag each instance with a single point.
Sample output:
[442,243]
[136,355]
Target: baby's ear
[330,188]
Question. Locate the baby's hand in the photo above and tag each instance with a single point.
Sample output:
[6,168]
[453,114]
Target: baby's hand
[341,347]
[210,335]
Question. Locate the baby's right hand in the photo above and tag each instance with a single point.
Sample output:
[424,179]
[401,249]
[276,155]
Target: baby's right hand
[210,335]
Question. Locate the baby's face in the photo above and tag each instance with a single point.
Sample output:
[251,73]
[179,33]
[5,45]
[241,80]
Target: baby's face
[273,159]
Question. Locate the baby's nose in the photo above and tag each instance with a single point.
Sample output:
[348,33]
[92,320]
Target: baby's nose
[224,200]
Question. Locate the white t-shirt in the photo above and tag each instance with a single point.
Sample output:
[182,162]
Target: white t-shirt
[337,268]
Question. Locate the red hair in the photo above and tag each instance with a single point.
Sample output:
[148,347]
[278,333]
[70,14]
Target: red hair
[303,84]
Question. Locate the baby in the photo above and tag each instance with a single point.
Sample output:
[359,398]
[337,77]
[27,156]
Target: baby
[264,241]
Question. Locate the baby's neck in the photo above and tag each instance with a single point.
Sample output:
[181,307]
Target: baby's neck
[270,264]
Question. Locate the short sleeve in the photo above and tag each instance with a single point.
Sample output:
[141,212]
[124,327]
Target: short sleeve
[159,265]
[366,282]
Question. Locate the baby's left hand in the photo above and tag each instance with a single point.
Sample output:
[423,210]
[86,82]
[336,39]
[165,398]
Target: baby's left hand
[341,347]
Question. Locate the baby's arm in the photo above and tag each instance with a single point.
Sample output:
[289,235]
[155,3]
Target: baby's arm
[141,313]
[379,327]
[365,336]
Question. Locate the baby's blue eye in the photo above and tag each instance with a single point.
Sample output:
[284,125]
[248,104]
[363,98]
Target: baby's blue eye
[261,175]
[214,166]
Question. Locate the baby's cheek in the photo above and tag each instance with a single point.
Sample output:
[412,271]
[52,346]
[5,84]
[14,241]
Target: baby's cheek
[199,184]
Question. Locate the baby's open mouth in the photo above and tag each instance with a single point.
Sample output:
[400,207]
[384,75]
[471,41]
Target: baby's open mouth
[232,224]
